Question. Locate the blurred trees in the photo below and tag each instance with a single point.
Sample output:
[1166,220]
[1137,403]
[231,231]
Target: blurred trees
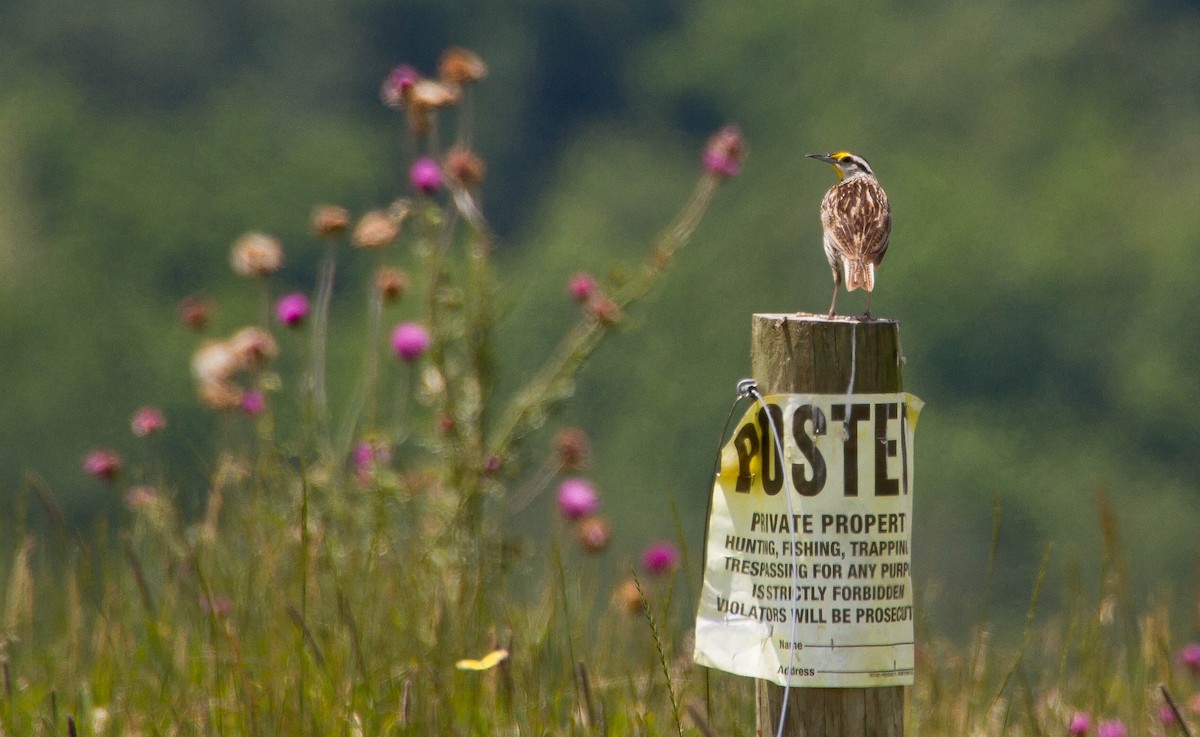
[1040,160]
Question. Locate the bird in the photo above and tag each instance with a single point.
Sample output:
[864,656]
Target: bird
[857,223]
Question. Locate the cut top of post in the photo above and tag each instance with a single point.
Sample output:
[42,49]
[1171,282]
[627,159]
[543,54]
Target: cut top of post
[795,353]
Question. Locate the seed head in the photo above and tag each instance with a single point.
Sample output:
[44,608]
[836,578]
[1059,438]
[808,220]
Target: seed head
[391,283]
[461,66]
[214,362]
[628,597]
[593,534]
[220,395]
[253,347]
[572,446]
[329,221]
[429,95]
[375,230]
[464,167]
[195,312]
[256,254]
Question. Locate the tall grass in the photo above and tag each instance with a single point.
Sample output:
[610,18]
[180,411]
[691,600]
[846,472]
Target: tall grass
[354,576]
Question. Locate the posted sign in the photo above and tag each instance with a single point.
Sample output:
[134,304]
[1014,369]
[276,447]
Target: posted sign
[807,576]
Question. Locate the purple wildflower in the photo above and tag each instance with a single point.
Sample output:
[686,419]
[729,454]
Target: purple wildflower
[292,309]
[660,558]
[409,341]
[577,499]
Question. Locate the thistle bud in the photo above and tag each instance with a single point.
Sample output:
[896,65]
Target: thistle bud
[724,152]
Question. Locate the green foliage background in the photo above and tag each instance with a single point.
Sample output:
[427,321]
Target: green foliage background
[1041,160]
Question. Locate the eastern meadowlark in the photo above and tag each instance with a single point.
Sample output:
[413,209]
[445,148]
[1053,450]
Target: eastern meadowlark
[857,221]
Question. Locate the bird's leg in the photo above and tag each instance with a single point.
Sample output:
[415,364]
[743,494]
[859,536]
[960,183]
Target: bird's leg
[867,314]
[833,303]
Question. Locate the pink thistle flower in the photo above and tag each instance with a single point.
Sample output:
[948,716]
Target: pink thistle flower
[103,464]
[147,421]
[425,175]
[409,341]
[724,151]
[397,85]
[141,497]
[492,464]
[1166,715]
[1079,725]
[604,310]
[581,287]
[1111,728]
[660,558]
[367,456]
[220,605]
[292,309]
[1189,657]
[363,456]
[253,402]
[577,499]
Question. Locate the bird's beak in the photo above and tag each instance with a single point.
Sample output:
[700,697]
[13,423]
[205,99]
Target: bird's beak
[822,157]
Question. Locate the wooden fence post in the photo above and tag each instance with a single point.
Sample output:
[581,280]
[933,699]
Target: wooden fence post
[798,354]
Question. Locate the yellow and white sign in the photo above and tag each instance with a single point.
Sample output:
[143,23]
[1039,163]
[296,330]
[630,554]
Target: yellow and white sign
[807,577]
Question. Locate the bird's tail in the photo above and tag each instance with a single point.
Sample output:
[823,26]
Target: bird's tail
[859,273]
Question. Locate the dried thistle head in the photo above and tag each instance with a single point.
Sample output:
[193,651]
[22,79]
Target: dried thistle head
[221,396]
[572,447]
[593,534]
[195,312]
[256,254]
[628,597]
[391,283]
[376,229]
[424,98]
[464,167]
[253,347]
[329,221]
[214,362]
[432,94]
[461,66]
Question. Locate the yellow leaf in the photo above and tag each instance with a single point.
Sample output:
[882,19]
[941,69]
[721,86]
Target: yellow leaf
[488,661]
